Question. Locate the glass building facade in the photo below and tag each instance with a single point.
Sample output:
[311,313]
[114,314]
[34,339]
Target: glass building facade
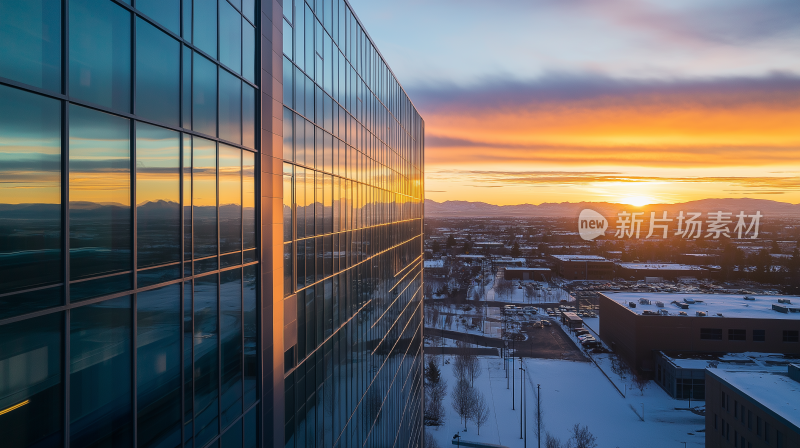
[352,237]
[164,202]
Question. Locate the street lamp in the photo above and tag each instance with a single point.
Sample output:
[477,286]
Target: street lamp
[457,437]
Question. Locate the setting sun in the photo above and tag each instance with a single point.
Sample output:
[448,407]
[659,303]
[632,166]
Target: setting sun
[638,201]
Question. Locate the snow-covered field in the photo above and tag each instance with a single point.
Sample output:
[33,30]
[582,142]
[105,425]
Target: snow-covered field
[572,392]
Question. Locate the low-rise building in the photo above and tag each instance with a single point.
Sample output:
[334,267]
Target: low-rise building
[665,271]
[525,273]
[753,409]
[583,267]
[638,325]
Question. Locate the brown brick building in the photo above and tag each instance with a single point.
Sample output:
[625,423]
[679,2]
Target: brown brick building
[752,409]
[703,323]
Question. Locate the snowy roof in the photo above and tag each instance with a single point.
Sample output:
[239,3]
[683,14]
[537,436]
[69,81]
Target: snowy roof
[777,394]
[729,305]
[661,266]
[517,268]
[434,263]
[579,258]
[748,361]
[470,256]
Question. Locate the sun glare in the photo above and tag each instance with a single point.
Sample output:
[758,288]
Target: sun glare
[637,201]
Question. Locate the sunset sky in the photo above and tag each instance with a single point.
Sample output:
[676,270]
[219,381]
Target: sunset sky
[632,101]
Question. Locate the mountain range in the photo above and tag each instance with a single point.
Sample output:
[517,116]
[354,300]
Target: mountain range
[768,208]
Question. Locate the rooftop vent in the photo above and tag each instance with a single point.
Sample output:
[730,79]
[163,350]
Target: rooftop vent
[660,304]
[644,301]
[632,304]
[701,314]
[688,300]
[786,301]
[749,298]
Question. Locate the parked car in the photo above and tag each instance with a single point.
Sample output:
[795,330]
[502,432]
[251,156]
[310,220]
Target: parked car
[585,337]
[546,323]
[581,331]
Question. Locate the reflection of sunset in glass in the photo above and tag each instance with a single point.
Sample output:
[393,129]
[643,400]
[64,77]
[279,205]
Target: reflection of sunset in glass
[157,165]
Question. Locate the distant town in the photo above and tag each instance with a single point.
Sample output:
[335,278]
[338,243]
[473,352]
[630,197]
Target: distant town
[658,330]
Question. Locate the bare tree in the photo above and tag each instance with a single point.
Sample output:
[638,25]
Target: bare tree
[550,441]
[581,437]
[538,415]
[460,367]
[639,381]
[435,391]
[473,367]
[481,412]
[463,400]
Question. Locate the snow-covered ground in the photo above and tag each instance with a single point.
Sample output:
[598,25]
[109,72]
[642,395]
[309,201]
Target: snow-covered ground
[572,392]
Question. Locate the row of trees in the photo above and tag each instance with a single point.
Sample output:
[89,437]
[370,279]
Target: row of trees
[468,402]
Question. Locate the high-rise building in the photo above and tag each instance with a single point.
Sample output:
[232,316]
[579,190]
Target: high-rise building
[210,228]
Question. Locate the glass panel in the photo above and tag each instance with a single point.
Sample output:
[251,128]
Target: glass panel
[249,199]
[157,195]
[232,437]
[234,259]
[248,51]
[30,366]
[288,201]
[99,193]
[188,332]
[158,275]
[231,334]
[230,37]
[207,265]
[204,96]
[288,131]
[187,21]
[30,194]
[187,197]
[165,12]
[249,9]
[250,335]
[100,374]
[31,35]
[300,202]
[104,286]
[204,201]
[186,100]
[248,116]
[100,53]
[206,363]
[157,74]
[230,107]
[158,367]
[230,198]
[205,26]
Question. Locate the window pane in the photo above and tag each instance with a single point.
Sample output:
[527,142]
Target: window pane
[205,26]
[188,335]
[100,374]
[231,334]
[100,53]
[206,364]
[230,36]
[31,35]
[248,51]
[249,199]
[187,197]
[204,97]
[248,9]
[204,201]
[158,61]
[30,362]
[248,116]
[99,193]
[30,194]
[158,374]
[287,201]
[230,107]
[250,334]
[186,99]
[165,12]
[157,195]
[230,198]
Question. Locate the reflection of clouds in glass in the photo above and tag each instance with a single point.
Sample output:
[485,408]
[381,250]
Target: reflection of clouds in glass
[157,164]
[99,157]
[30,148]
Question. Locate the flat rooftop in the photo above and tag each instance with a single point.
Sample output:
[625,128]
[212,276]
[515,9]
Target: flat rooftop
[579,258]
[661,266]
[747,361]
[777,393]
[729,305]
